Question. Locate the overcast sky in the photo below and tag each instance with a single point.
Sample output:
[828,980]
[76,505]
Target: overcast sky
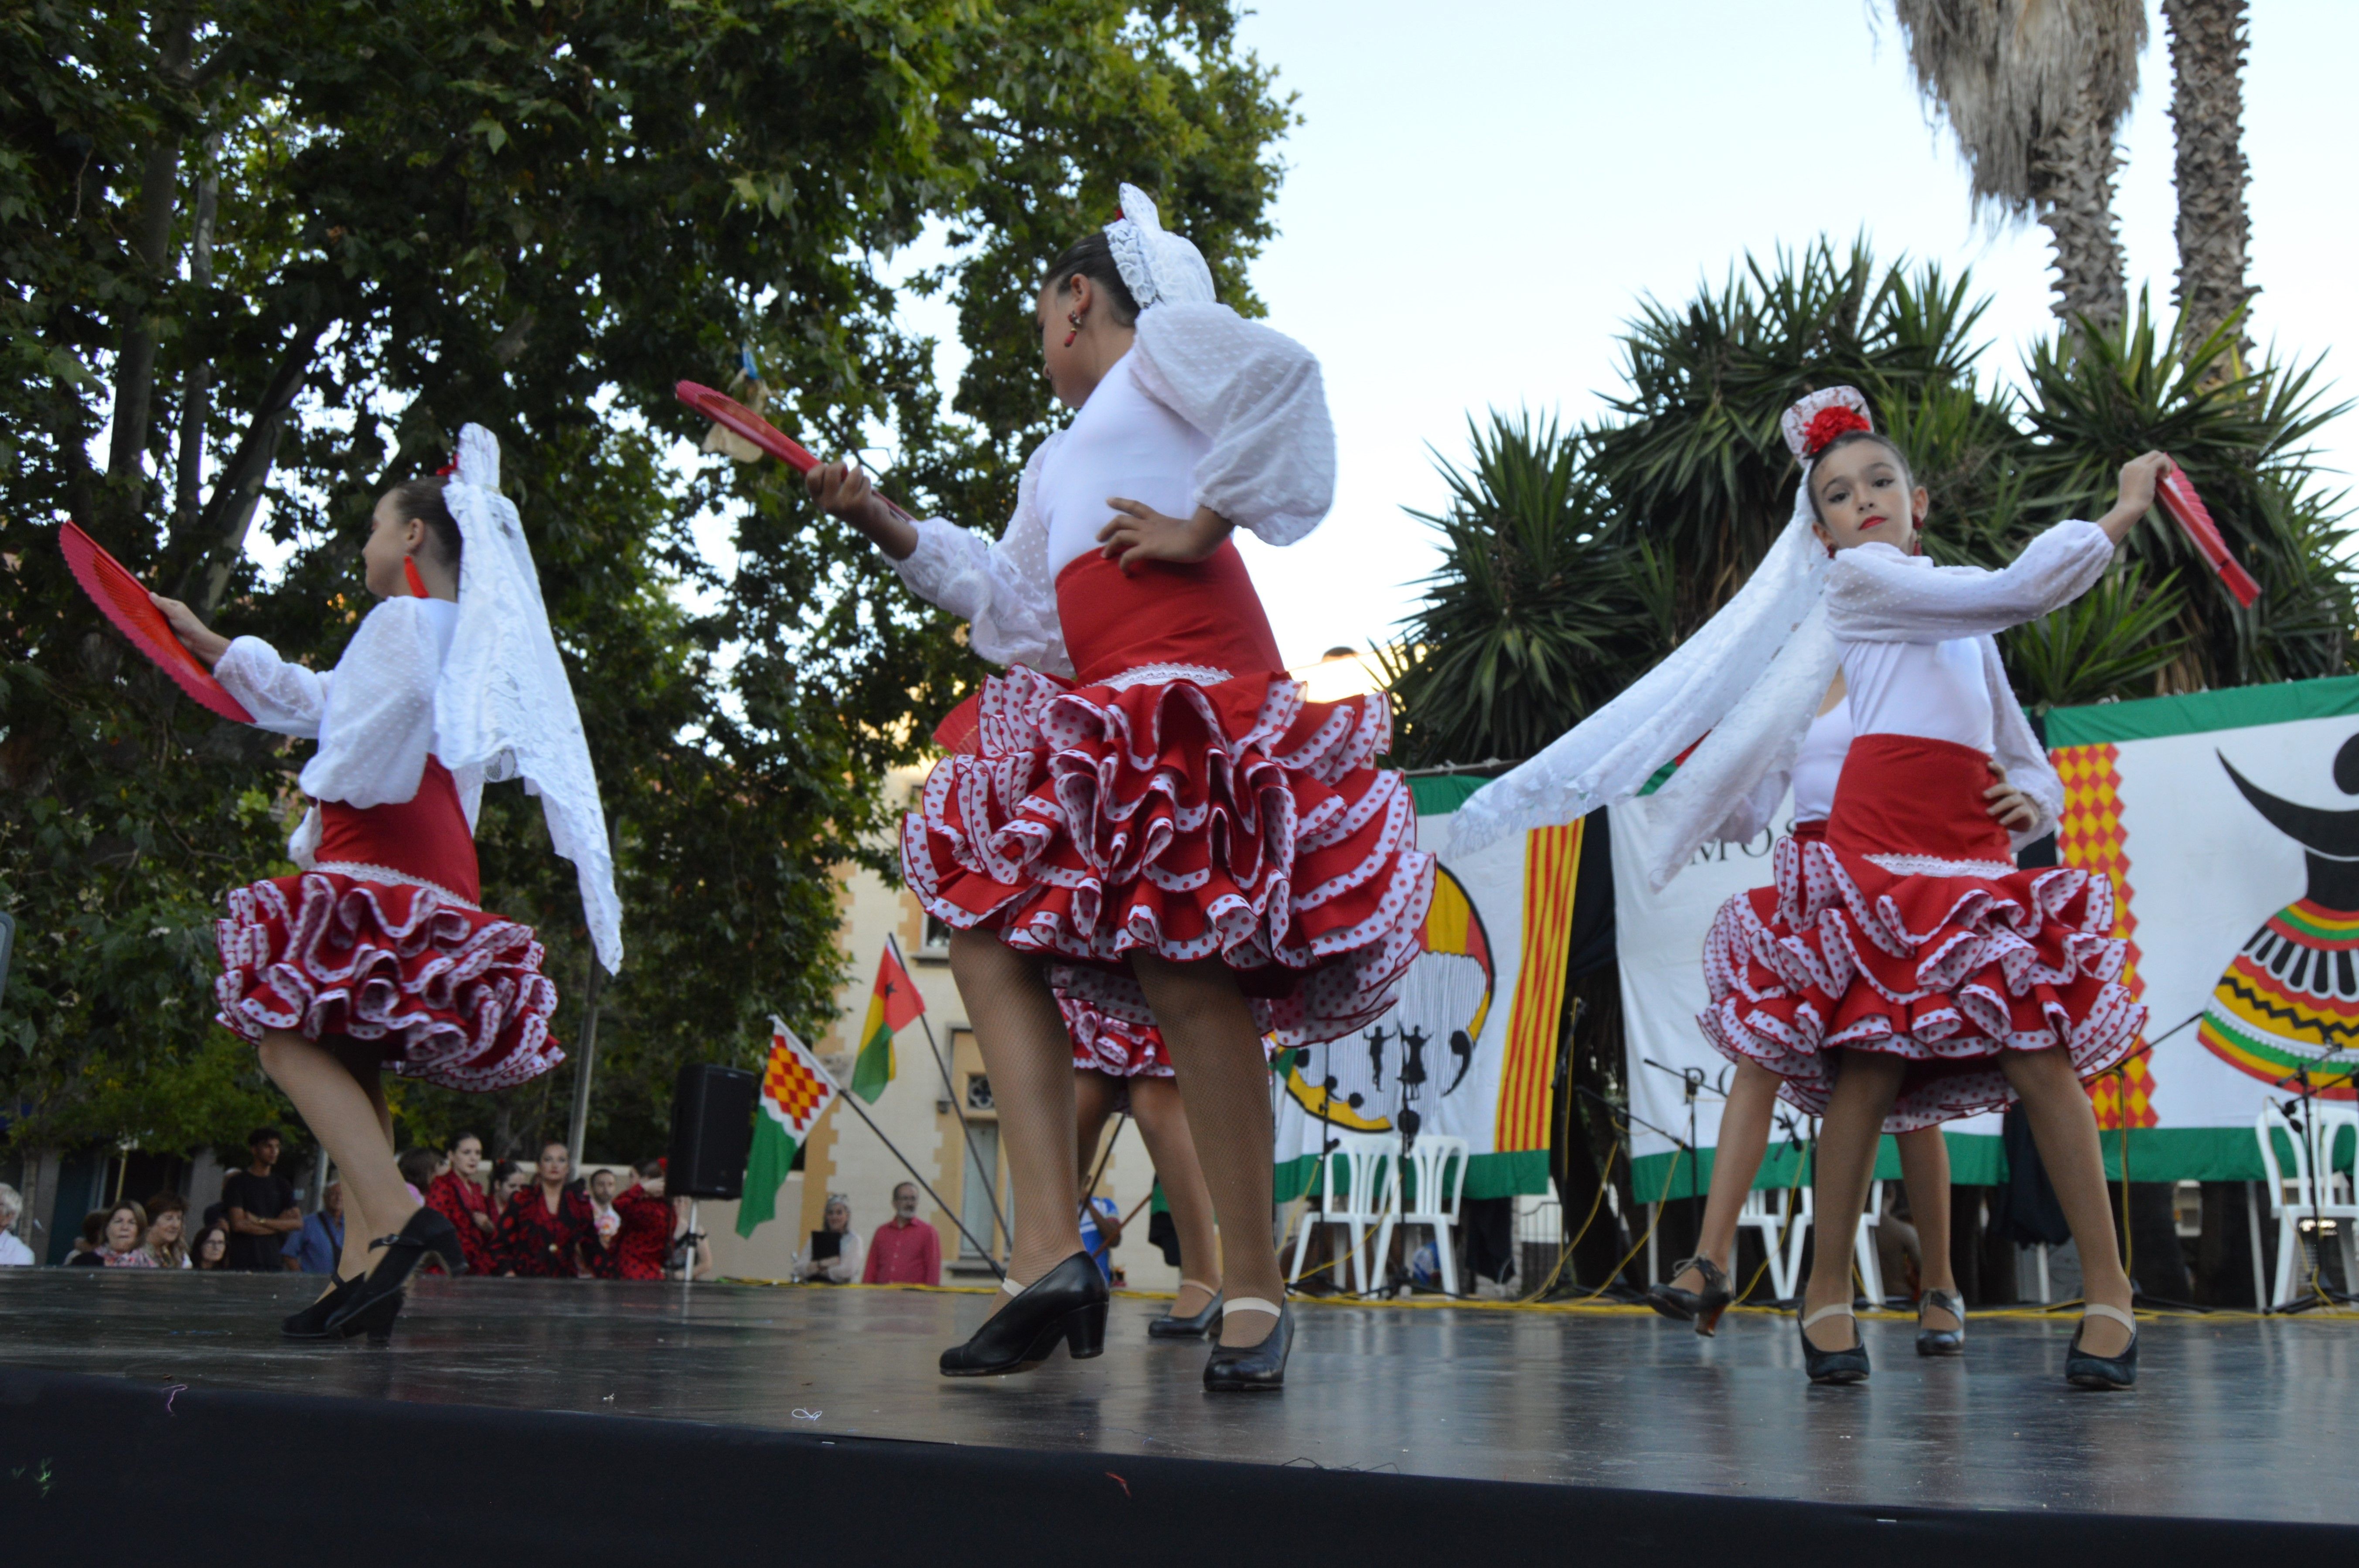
[1479,192]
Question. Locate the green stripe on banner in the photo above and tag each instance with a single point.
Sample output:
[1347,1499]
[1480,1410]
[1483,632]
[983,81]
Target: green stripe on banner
[1976,1160]
[2241,707]
[1524,1170]
[1444,793]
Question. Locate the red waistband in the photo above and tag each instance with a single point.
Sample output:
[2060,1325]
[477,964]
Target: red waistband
[425,837]
[1196,613]
[1904,794]
[1815,832]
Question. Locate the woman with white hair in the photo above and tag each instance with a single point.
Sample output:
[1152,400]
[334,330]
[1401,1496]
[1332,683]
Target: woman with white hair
[13,1253]
[841,1267]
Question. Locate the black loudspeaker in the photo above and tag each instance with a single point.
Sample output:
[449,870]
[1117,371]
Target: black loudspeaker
[711,1131]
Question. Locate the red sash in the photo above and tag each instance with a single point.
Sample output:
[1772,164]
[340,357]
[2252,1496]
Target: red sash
[1904,794]
[425,837]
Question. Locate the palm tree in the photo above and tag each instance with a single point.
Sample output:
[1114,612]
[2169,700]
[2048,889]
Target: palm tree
[2208,39]
[2034,90]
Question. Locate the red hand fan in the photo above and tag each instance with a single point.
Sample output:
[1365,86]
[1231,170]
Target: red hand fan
[125,601]
[2186,509]
[734,416]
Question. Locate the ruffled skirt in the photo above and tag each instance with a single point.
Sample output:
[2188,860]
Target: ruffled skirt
[455,995]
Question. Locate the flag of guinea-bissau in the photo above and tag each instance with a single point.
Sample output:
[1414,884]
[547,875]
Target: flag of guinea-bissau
[892,1007]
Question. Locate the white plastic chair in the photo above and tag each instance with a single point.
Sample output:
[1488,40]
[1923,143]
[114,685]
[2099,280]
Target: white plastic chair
[1356,1181]
[1437,1168]
[1765,1212]
[2311,1190]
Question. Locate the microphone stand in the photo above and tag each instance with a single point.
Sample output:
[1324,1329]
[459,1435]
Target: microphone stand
[2320,1158]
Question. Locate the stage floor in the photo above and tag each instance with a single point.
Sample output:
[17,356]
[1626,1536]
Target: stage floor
[2234,1417]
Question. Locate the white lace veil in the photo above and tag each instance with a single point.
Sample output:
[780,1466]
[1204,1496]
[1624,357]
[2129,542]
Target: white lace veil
[1742,691]
[503,703]
[1159,268]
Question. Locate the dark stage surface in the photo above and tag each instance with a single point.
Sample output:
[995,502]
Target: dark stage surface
[2234,1417]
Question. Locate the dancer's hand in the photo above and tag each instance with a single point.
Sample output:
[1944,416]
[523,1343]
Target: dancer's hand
[2013,808]
[194,634]
[2140,475]
[841,488]
[1143,534]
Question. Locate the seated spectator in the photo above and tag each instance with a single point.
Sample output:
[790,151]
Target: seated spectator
[260,1206]
[315,1248]
[93,1237]
[458,1195]
[121,1229]
[168,1216]
[510,1179]
[906,1251]
[844,1267]
[210,1249]
[418,1167]
[605,1225]
[544,1226]
[644,1238]
[13,1253]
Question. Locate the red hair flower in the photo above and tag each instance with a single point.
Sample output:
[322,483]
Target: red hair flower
[1828,424]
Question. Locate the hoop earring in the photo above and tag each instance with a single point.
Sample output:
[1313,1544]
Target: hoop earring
[417,583]
[1073,318]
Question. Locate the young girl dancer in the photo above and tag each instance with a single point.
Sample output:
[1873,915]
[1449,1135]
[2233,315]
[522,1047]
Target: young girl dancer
[1907,967]
[377,955]
[1153,821]
[1122,1065]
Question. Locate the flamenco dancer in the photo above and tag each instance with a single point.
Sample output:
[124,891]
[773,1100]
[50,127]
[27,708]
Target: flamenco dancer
[1906,968]
[377,954]
[1153,822]
[1699,1289]
[1121,1065]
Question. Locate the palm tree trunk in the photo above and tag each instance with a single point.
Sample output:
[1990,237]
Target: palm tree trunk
[2072,169]
[2208,39]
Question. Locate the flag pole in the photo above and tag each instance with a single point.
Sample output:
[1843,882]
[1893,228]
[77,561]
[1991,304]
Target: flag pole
[958,1106]
[853,1100]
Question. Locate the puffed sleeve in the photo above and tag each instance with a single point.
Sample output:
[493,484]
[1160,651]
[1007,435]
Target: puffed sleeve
[1002,587]
[286,700]
[1876,594]
[1259,395]
[378,729]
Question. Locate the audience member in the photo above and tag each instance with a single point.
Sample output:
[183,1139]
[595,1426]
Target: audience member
[210,1249]
[510,1179]
[168,1217]
[605,1226]
[13,1253]
[907,1250]
[315,1248]
[844,1267]
[93,1237]
[260,1206]
[458,1195]
[418,1167]
[544,1226]
[1101,1233]
[644,1238]
[121,1229]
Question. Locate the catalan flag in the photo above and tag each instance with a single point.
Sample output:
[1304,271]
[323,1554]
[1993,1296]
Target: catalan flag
[795,1090]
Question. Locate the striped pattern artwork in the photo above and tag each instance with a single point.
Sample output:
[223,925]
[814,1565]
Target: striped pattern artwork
[1551,868]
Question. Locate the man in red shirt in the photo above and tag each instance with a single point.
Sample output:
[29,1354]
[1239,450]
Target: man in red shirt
[907,1250]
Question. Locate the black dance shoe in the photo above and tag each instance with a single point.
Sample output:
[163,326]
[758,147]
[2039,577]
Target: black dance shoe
[1941,1341]
[2084,1370]
[367,1310]
[1250,1368]
[1171,1325]
[311,1323]
[1848,1365]
[1701,1307]
[1068,1302]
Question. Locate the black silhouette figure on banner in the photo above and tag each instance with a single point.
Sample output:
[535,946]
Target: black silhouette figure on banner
[1376,1038]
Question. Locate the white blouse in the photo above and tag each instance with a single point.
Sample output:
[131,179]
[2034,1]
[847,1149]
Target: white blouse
[1918,654]
[372,714]
[1121,443]
[1253,399]
[1820,763]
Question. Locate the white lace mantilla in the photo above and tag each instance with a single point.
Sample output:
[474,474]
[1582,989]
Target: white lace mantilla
[361,871]
[1934,866]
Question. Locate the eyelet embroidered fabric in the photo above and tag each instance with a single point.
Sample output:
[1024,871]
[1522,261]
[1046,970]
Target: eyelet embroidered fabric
[1934,866]
[1163,675]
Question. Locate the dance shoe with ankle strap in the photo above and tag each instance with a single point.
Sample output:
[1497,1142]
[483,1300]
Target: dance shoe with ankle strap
[1848,1365]
[1701,1307]
[372,1308]
[1250,1368]
[1068,1302]
[2084,1370]
[1941,1341]
[311,1323]
[1171,1325]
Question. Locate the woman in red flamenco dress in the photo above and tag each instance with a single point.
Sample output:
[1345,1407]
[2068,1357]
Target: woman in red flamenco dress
[458,1195]
[1145,814]
[547,1230]
[377,954]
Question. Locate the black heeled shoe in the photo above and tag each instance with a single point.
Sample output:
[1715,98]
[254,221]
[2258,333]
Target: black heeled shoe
[1941,1341]
[1250,1368]
[1068,1302]
[2084,1370]
[311,1323]
[1171,1325]
[1702,1307]
[1847,1366]
[362,1310]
